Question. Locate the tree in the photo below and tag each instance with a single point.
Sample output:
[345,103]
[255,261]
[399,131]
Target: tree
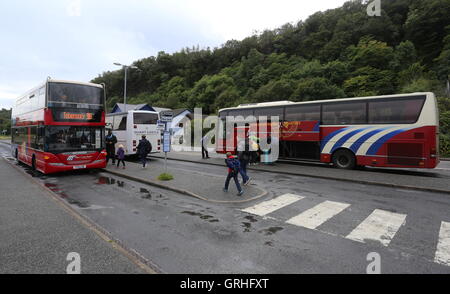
[316,89]
[426,27]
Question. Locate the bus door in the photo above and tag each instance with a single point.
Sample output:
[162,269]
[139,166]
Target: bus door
[300,139]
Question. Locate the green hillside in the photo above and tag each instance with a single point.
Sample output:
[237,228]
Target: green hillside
[337,53]
[5,121]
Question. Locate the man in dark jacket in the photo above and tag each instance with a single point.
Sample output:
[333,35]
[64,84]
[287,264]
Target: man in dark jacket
[143,149]
[111,142]
[244,158]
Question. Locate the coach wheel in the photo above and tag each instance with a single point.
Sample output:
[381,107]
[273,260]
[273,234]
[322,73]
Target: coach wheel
[344,159]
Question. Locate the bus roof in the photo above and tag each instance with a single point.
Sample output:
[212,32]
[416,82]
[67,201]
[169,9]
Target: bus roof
[285,103]
[57,81]
[131,111]
[75,82]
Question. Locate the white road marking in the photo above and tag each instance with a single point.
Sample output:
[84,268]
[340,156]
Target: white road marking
[380,226]
[443,248]
[270,206]
[314,217]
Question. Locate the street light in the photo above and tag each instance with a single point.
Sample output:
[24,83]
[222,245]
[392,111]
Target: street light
[125,67]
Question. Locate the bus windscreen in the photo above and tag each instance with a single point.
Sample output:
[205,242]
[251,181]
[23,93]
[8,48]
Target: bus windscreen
[69,95]
[145,118]
[60,139]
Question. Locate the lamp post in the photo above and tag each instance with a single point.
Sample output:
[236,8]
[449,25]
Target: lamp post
[125,68]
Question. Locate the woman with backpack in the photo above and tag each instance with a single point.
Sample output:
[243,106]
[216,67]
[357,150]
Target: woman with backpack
[143,149]
[233,171]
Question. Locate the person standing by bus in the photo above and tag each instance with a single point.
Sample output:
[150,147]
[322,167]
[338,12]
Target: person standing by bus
[244,158]
[204,141]
[111,142]
[143,149]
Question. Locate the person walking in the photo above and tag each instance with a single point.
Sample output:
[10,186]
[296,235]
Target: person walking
[244,158]
[205,154]
[143,149]
[121,156]
[233,171]
[111,141]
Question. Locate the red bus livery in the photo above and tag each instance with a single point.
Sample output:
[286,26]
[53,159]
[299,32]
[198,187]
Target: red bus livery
[384,131]
[59,126]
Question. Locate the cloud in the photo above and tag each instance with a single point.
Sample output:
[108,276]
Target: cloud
[79,39]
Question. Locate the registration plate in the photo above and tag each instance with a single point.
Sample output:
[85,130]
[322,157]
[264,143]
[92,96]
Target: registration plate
[79,167]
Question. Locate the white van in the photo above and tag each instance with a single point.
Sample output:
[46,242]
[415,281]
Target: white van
[131,125]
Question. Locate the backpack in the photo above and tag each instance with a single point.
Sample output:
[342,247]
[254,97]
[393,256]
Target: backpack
[148,148]
[234,165]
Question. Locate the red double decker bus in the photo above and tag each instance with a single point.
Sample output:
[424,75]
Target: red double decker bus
[60,126]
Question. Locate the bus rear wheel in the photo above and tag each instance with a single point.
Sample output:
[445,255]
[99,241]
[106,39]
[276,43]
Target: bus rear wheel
[344,159]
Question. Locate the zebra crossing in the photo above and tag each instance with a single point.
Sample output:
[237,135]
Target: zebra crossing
[380,225]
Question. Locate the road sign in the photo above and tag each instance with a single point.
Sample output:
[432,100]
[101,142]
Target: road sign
[166,142]
[166,116]
[161,126]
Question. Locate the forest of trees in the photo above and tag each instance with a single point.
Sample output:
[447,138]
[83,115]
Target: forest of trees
[338,53]
[5,121]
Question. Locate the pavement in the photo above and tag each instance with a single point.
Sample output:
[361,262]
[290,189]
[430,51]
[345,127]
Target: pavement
[416,179]
[201,185]
[37,234]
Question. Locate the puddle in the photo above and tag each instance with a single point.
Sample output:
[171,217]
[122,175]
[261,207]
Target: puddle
[209,218]
[110,181]
[247,227]
[106,181]
[55,189]
[251,218]
[269,243]
[271,231]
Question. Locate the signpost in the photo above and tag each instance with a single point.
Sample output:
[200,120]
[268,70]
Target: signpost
[166,118]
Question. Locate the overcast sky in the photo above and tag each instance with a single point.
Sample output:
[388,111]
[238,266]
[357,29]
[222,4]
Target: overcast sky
[79,39]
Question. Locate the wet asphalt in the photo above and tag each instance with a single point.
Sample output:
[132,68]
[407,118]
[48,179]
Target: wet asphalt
[180,234]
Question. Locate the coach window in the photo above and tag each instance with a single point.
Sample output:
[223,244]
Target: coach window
[303,113]
[123,124]
[398,111]
[117,121]
[344,113]
[269,112]
[241,112]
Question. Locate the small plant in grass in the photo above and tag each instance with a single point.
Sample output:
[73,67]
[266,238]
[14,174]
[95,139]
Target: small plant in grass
[165,177]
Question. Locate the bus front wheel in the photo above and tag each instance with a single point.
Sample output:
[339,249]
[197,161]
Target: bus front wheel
[344,159]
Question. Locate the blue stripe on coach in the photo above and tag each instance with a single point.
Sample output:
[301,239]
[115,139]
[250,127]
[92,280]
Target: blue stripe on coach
[330,136]
[345,138]
[355,147]
[373,150]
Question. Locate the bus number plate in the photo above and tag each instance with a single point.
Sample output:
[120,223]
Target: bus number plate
[79,167]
